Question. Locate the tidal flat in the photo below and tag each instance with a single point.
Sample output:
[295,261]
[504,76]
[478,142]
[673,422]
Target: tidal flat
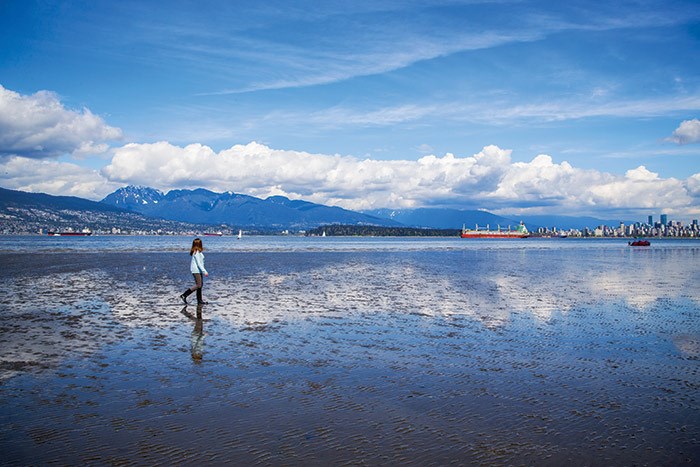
[351,351]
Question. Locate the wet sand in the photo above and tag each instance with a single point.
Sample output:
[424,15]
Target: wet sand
[518,355]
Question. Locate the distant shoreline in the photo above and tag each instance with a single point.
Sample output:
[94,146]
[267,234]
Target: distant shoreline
[407,233]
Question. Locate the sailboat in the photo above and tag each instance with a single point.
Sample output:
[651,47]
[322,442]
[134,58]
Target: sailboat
[240,234]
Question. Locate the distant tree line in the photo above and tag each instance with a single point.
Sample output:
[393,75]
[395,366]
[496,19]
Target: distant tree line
[378,231]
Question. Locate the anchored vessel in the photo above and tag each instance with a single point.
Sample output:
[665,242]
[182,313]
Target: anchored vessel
[639,243]
[520,232]
[69,234]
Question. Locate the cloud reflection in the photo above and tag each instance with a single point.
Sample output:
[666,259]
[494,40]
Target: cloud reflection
[59,315]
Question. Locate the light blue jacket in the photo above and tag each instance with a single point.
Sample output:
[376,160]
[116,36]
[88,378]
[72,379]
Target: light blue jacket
[197,264]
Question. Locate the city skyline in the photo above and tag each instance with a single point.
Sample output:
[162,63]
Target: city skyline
[507,106]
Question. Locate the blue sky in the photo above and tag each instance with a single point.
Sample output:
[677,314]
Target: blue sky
[511,106]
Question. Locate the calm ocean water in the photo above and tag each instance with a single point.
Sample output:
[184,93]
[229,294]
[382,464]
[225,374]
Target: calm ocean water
[317,351]
[46,243]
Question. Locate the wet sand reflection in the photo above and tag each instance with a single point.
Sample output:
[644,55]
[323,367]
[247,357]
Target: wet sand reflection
[197,338]
[541,356]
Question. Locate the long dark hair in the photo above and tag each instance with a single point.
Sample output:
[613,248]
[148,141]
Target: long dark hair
[196,246]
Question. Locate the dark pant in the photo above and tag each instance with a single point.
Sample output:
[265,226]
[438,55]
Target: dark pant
[198,283]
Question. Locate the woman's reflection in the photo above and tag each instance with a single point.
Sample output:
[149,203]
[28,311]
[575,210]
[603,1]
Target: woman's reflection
[197,338]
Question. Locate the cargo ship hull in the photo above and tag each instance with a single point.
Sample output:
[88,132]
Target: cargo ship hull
[520,232]
[69,234]
[493,234]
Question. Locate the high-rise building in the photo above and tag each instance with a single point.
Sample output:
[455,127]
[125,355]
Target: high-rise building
[664,219]
[651,220]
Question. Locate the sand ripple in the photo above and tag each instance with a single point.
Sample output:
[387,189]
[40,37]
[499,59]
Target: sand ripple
[538,356]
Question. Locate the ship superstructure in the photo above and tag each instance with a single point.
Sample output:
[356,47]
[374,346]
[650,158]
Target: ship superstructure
[520,232]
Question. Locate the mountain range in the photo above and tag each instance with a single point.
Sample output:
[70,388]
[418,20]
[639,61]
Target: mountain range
[207,207]
[22,212]
[436,218]
[145,208]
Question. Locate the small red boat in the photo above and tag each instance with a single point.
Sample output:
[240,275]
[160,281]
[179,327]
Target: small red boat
[639,243]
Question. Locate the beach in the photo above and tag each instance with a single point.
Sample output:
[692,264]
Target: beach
[351,351]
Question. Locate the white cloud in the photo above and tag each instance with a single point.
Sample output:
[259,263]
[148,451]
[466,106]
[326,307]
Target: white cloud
[641,174]
[39,126]
[640,188]
[366,44]
[541,180]
[488,179]
[332,179]
[562,188]
[693,184]
[491,111]
[688,132]
[53,177]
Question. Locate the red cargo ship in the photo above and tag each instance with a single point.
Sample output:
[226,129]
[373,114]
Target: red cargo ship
[520,232]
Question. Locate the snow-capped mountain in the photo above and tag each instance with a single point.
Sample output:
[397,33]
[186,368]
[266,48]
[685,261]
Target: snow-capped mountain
[207,207]
[131,196]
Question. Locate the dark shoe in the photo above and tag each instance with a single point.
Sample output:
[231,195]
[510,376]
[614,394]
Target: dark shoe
[184,295]
[202,303]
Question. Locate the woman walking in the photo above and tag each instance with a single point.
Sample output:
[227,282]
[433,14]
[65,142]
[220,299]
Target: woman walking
[197,269]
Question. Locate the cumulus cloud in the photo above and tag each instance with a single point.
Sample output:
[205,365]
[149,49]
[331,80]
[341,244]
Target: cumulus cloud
[333,179]
[39,126]
[687,133]
[541,180]
[640,188]
[693,184]
[488,179]
[53,177]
